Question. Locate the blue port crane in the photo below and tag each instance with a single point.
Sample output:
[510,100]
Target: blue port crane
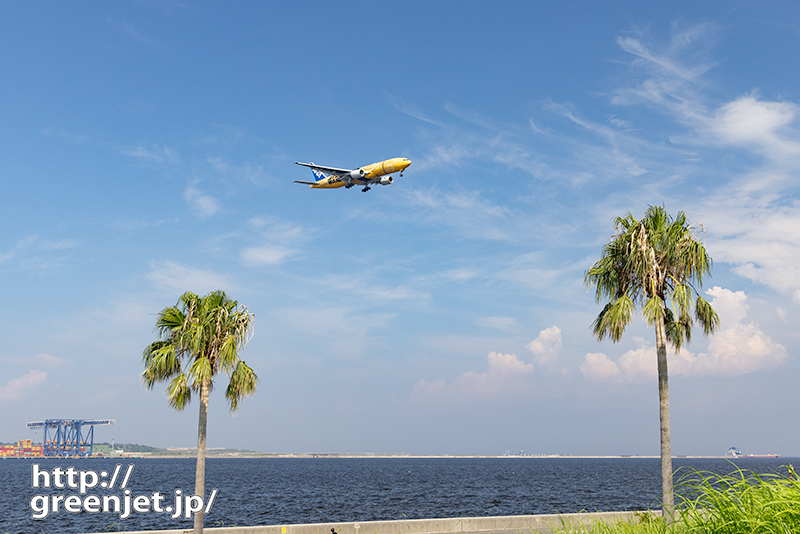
[68,437]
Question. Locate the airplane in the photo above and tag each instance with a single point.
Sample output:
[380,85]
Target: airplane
[377,173]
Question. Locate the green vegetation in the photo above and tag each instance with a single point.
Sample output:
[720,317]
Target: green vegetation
[105,448]
[655,263]
[200,338]
[740,503]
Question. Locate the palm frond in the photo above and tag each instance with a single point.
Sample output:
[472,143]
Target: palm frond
[162,363]
[706,316]
[208,333]
[242,384]
[200,371]
[179,393]
[613,319]
[651,261]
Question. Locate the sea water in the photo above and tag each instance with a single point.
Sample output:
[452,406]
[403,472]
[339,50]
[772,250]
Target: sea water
[267,491]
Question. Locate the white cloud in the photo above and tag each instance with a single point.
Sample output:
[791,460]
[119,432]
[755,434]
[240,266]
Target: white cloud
[731,306]
[758,124]
[168,276]
[505,374]
[639,365]
[635,366]
[257,256]
[277,241]
[737,348]
[598,366]
[546,345]
[749,221]
[759,238]
[17,388]
[203,205]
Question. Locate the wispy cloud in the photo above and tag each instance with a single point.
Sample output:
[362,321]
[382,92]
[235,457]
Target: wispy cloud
[508,324]
[33,251]
[350,285]
[202,204]
[339,331]
[672,75]
[39,360]
[153,153]
[239,172]
[127,28]
[674,85]
[67,135]
[170,277]
[466,211]
[277,241]
[750,216]
[411,109]
[257,256]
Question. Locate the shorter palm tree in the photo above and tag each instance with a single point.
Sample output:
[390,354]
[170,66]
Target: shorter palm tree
[200,337]
[654,262]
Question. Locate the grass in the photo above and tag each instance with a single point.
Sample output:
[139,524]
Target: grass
[739,503]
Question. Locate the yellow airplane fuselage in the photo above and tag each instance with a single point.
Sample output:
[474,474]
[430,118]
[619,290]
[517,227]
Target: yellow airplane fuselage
[371,173]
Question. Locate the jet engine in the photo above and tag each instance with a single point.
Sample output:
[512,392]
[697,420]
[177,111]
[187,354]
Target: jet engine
[356,174]
[386,180]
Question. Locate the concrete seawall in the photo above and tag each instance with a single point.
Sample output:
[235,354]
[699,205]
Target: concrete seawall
[518,524]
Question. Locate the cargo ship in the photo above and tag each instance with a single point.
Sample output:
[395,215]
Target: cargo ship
[733,452]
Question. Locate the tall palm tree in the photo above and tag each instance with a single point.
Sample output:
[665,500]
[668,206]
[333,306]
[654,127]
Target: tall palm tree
[657,263]
[200,337]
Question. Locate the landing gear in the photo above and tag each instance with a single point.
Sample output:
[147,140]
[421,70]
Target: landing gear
[366,188]
[348,186]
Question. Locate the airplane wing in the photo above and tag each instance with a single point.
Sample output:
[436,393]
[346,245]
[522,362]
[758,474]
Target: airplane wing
[329,170]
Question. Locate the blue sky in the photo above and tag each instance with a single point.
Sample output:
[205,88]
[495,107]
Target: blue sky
[147,149]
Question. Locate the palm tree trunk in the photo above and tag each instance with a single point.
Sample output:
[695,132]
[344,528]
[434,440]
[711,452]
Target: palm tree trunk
[667,500]
[200,472]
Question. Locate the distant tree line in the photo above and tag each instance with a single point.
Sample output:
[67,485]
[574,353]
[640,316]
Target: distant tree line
[128,447]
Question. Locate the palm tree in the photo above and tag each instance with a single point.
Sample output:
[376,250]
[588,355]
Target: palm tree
[200,337]
[657,263]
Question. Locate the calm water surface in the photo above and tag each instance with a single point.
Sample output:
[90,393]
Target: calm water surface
[268,491]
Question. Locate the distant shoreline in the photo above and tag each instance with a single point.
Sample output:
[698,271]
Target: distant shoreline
[334,455]
[410,456]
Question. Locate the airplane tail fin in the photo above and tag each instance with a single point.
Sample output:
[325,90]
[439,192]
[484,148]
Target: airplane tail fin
[318,175]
